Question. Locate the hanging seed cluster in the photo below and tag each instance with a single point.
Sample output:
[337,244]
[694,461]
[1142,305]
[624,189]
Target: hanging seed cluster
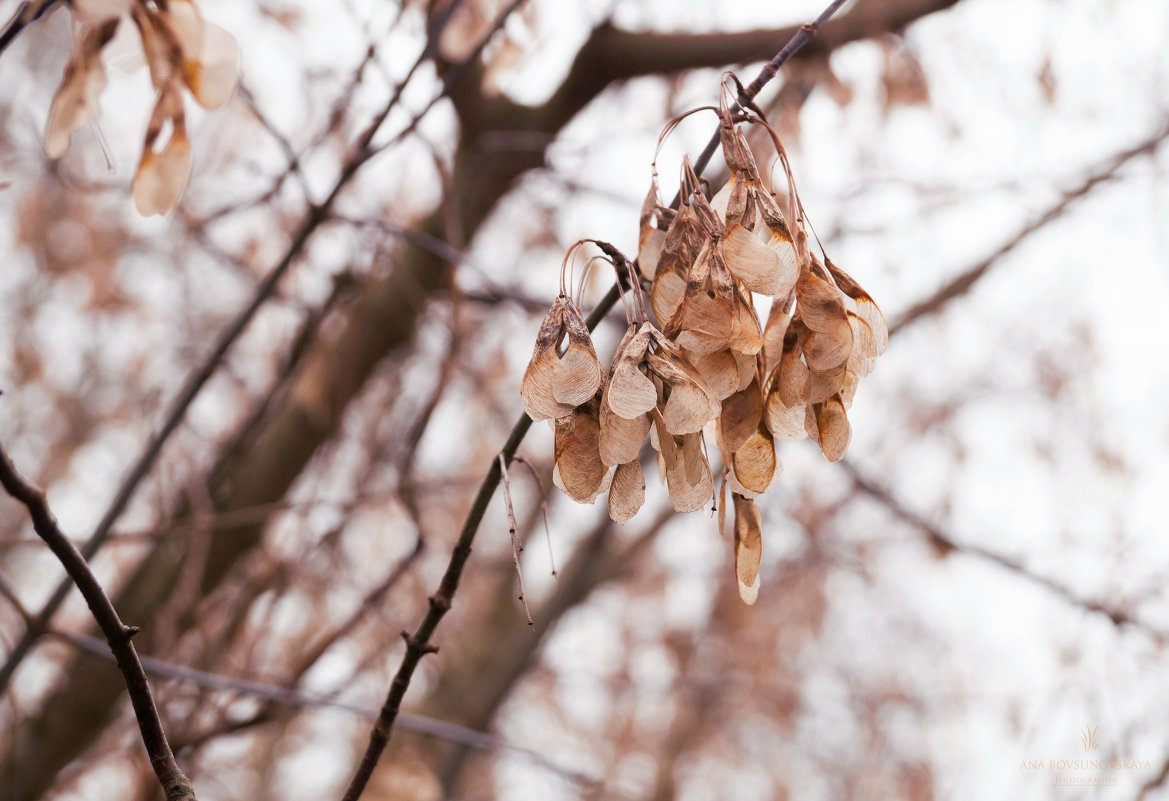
[708,369]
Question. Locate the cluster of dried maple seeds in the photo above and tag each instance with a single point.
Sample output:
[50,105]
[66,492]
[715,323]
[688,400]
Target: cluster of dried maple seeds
[182,51]
[710,370]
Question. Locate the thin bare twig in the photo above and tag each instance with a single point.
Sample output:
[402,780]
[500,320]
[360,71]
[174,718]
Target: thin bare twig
[418,644]
[516,548]
[290,696]
[174,783]
[946,544]
[961,284]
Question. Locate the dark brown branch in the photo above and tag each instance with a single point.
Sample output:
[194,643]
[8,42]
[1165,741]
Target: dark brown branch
[174,783]
[418,644]
[612,54]
[964,281]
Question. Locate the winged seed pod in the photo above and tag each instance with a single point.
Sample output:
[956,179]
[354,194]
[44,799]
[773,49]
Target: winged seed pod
[748,547]
[580,473]
[181,49]
[627,492]
[711,369]
[555,384]
[76,102]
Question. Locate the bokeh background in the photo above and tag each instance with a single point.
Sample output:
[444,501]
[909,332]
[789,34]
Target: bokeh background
[941,615]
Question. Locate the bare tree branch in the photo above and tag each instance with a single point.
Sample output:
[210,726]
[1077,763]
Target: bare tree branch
[964,281]
[174,783]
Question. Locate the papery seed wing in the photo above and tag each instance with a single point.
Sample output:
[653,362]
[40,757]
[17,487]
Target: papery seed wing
[688,409]
[578,457]
[702,324]
[620,439]
[740,416]
[720,370]
[866,307]
[650,238]
[577,375]
[631,392]
[793,377]
[778,321]
[761,267]
[748,368]
[730,202]
[754,461]
[722,505]
[786,423]
[864,350]
[666,295]
[746,336]
[689,481]
[832,427]
[704,320]
[691,403]
[162,176]
[823,384]
[537,390]
[213,76]
[748,547]
[75,103]
[829,348]
[627,492]
[819,303]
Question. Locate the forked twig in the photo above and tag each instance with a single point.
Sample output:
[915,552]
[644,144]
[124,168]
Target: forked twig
[418,644]
[174,783]
[516,548]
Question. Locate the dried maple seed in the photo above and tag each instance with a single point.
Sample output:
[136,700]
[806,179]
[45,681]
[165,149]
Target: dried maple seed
[627,492]
[554,385]
[621,438]
[76,102]
[748,547]
[741,414]
[582,474]
[754,462]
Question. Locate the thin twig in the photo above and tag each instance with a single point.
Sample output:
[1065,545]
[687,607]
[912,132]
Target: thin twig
[543,508]
[962,283]
[174,783]
[418,644]
[516,548]
[945,544]
[287,696]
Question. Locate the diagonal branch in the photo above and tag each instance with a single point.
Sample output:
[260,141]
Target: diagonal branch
[945,544]
[418,644]
[964,281]
[174,783]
